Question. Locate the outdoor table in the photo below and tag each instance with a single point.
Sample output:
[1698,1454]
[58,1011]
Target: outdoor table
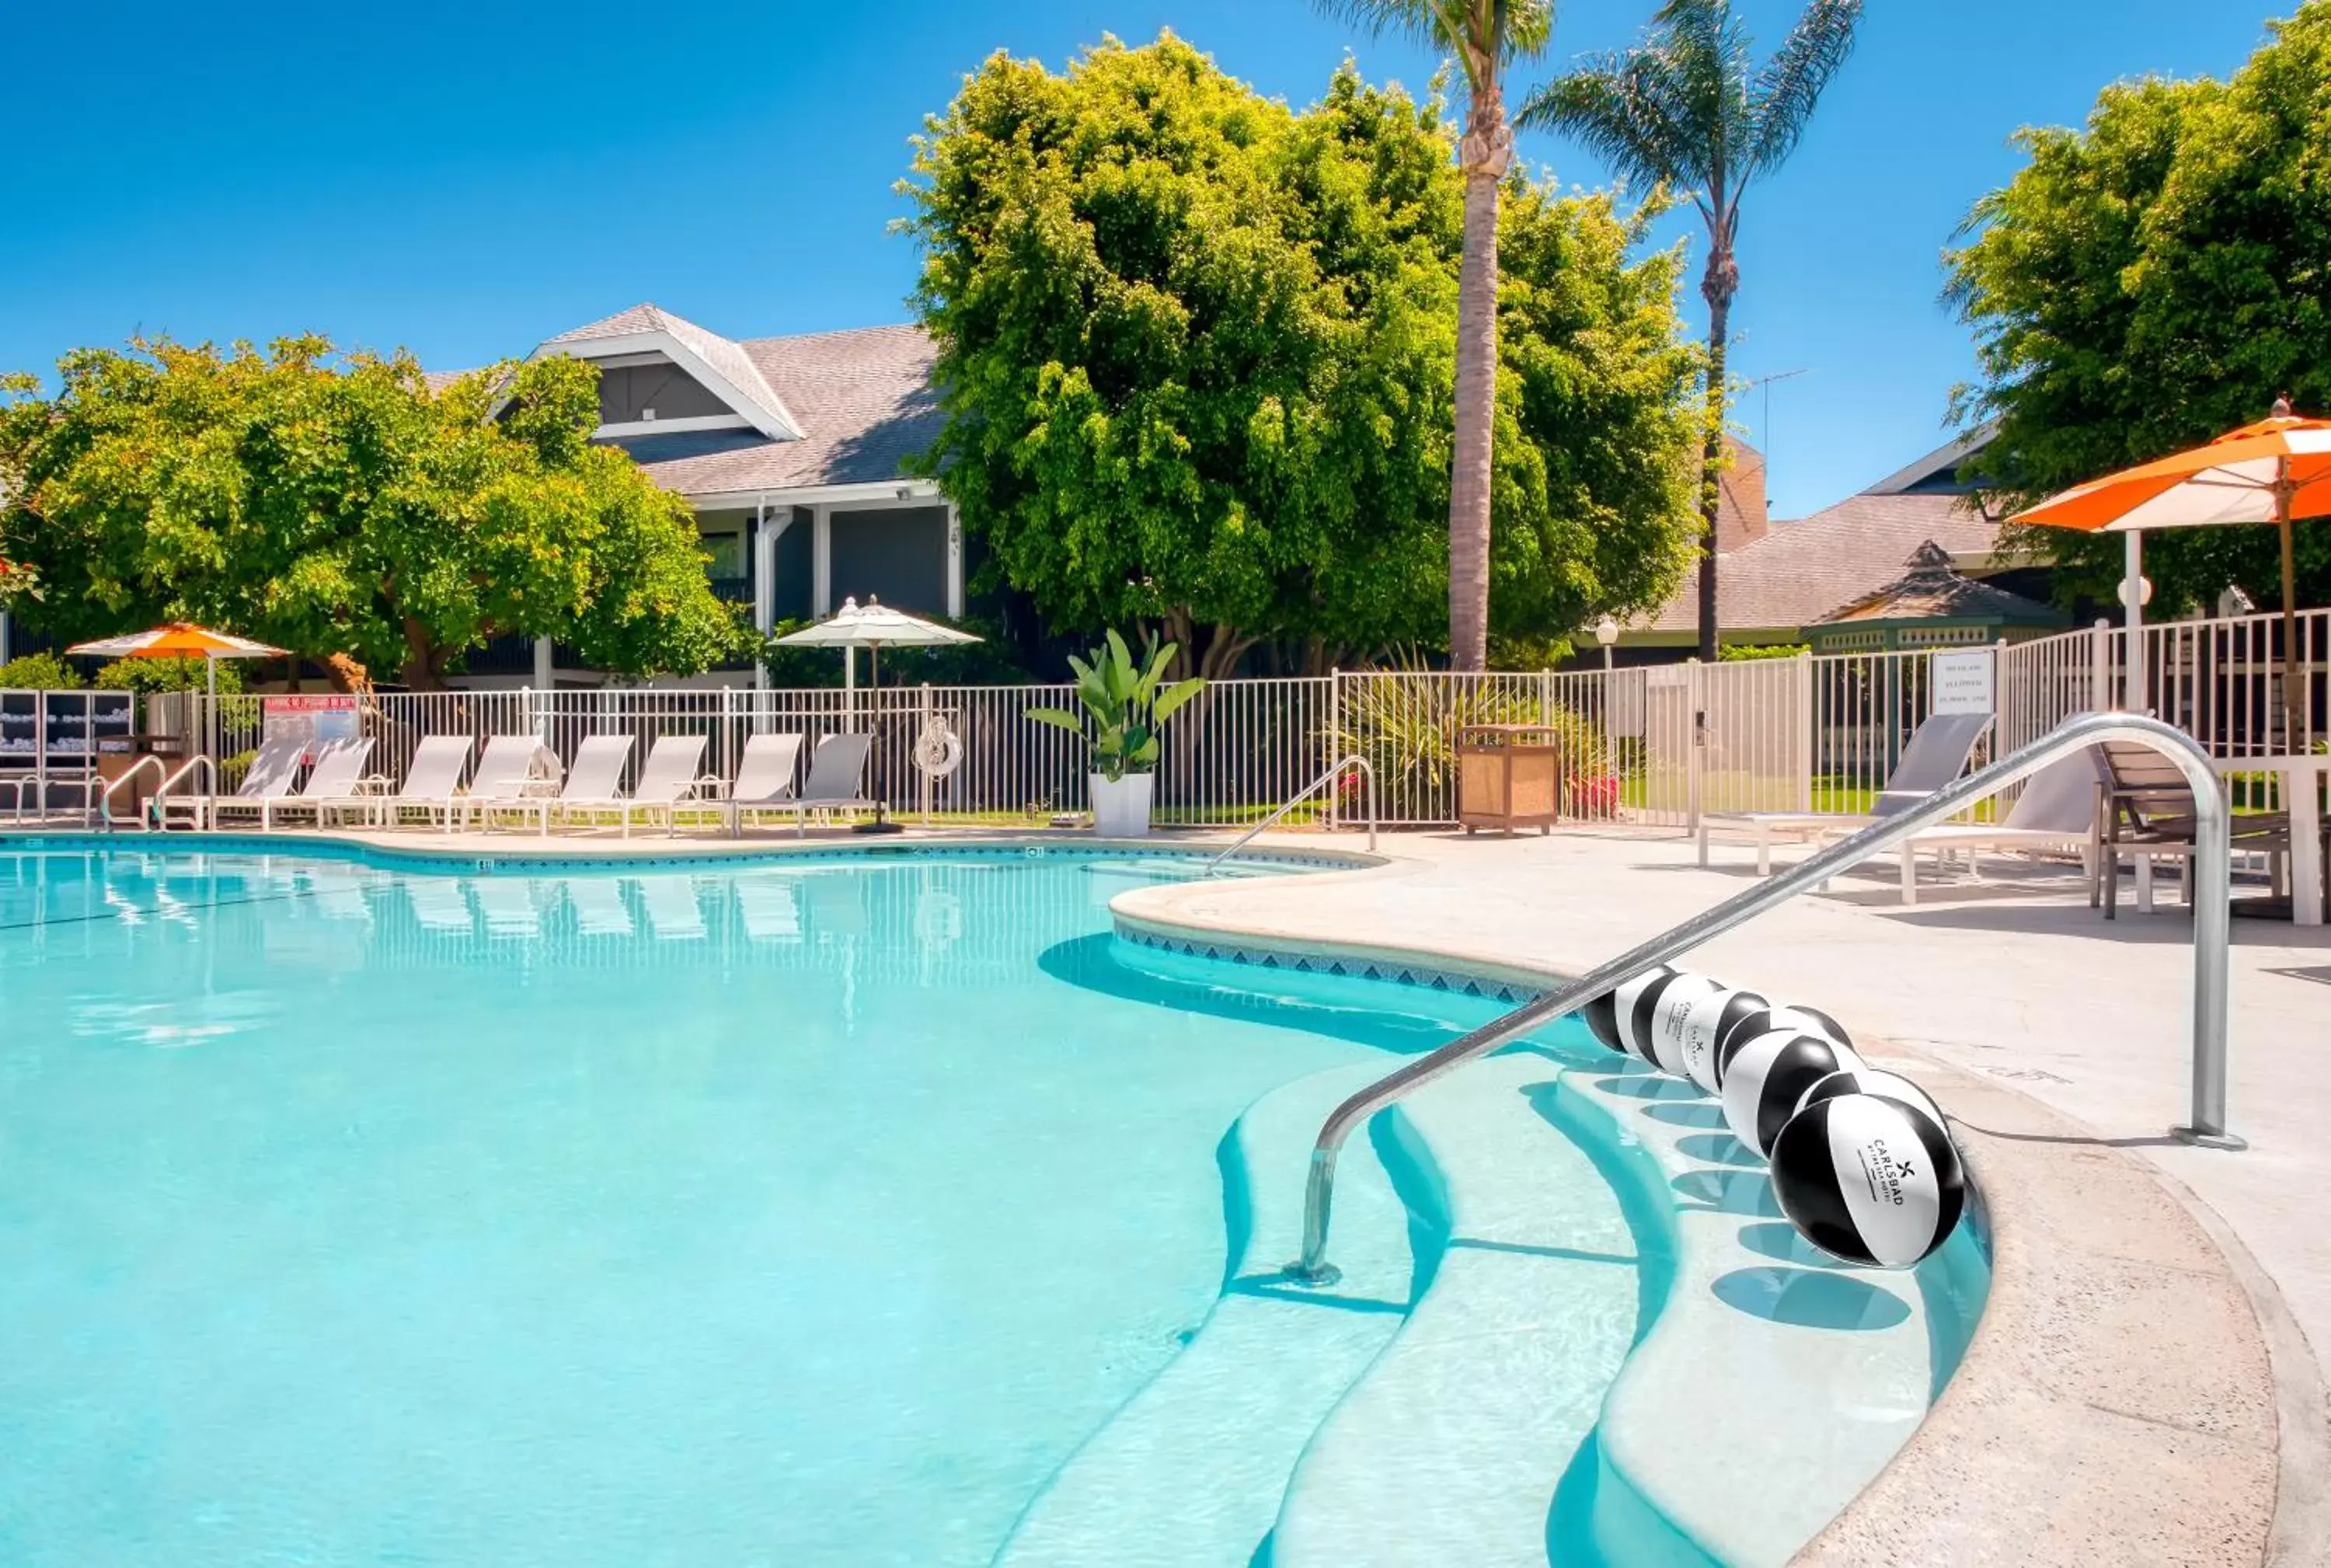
[2298,780]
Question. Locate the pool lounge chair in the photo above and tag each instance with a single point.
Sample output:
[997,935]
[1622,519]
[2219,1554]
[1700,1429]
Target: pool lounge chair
[834,769]
[271,776]
[667,778]
[509,773]
[339,767]
[2057,812]
[431,780]
[1937,754]
[764,778]
[595,780]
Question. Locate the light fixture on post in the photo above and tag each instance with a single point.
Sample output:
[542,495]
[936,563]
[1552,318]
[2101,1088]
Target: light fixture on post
[1606,632]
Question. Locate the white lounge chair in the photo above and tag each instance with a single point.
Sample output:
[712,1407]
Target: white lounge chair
[507,773]
[439,903]
[673,910]
[595,780]
[769,908]
[834,769]
[271,776]
[431,781]
[669,776]
[1937,754]
[2057,812]
[765,777]
[339,766]
[508,906]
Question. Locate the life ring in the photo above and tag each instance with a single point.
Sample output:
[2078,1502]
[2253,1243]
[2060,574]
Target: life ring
[938,750]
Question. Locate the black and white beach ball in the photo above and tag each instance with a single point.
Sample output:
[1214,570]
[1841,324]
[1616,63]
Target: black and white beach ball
[1667,1011]
[1769,1074]
[1624,1001]
[1711,1018]
[1754,1025]
[1869,1179]
[1866,1080]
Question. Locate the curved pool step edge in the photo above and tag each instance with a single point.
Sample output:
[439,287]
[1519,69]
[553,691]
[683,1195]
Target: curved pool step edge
[1450,1448]
[1190,1470]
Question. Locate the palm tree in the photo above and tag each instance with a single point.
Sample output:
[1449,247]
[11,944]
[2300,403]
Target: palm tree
[1689,109]
[1485,36]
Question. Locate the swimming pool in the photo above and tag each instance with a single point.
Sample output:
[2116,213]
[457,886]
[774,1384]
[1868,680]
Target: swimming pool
[852,1211]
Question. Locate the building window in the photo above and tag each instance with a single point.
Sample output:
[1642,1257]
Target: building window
[897,555]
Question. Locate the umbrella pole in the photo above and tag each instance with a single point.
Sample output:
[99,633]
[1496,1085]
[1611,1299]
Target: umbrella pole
[2132,598]
[2294,688]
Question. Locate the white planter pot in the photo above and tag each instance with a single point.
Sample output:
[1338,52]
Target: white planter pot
[1121,807]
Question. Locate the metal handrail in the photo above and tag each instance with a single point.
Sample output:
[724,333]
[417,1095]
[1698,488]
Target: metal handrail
[2212,889]
[1305,793]
[105,800]
[200,761]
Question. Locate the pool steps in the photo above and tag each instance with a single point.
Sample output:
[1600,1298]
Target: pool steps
[1191,1469]
[1480,1421]
[1448,1450]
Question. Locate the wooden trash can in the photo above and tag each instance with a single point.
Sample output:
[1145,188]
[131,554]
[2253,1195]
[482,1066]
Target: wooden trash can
[1508,775]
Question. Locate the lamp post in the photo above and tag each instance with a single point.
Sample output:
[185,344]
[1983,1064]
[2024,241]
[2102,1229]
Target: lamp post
[2136,593]
[1606,632]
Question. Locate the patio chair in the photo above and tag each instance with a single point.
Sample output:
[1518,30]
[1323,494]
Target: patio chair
[512,768]
[271,776]
[595,780]
[669,776]
[2146,812]
[429,783]
[339,765]
[834,769]
[764,778]
[1935,755]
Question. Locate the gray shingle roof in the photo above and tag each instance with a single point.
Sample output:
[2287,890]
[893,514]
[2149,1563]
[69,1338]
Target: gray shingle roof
[863,398]
[1930,588]
[731,360]
[1803,571]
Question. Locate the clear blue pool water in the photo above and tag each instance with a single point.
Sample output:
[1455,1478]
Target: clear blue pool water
[799,1214]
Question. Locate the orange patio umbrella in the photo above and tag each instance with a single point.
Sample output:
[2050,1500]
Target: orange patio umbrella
[2274,472]
[181,640]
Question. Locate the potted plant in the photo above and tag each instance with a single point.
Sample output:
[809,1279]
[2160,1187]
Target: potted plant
[1121,696]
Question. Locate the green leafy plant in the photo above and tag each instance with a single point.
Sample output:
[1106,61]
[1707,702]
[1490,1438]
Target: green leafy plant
[1123,698]
[167,675]
[1405,720]
[1742,652]
[40,672]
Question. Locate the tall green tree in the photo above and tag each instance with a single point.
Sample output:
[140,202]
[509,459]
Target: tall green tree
[1486,37]
[2150,281]
[1196,351]
[345,508]
[1691,109]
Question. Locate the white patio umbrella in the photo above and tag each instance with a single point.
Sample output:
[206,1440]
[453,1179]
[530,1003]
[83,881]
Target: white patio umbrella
[873,626]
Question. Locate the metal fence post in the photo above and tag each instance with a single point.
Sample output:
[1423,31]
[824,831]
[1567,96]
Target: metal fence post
[2100,667]
[1336,742]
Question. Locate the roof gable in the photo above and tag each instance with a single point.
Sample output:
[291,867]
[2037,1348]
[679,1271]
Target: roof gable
[721,365]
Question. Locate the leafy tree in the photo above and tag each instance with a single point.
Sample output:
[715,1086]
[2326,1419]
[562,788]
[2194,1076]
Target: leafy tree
[1486,36]
[1197,352]
[1689,109]
[2149,282]
[344,507]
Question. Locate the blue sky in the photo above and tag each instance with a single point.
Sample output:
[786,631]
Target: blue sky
[468,179]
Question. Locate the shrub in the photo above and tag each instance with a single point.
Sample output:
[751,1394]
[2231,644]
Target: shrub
[167,675]
[40,672]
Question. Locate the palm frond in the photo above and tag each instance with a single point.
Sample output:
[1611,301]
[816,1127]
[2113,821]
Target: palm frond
[1514,28]
[1630,108]
[1781,101]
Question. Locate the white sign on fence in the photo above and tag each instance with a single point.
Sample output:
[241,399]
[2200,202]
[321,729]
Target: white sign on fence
[1963,682]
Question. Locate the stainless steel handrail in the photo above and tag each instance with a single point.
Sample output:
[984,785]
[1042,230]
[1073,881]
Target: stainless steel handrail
[200,761]
[2212,889]
[1305,793]
[105,800]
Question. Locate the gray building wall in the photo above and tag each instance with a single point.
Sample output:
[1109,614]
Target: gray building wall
[627,393]
[795,597]
[894,554]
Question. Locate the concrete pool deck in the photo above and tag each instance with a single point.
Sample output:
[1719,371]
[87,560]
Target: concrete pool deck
[2143,1388]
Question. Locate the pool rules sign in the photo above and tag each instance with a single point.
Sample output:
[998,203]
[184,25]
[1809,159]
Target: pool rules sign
[1963,681]
[308,719]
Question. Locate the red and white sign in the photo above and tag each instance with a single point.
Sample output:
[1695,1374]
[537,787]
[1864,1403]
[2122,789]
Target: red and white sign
[330,715]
